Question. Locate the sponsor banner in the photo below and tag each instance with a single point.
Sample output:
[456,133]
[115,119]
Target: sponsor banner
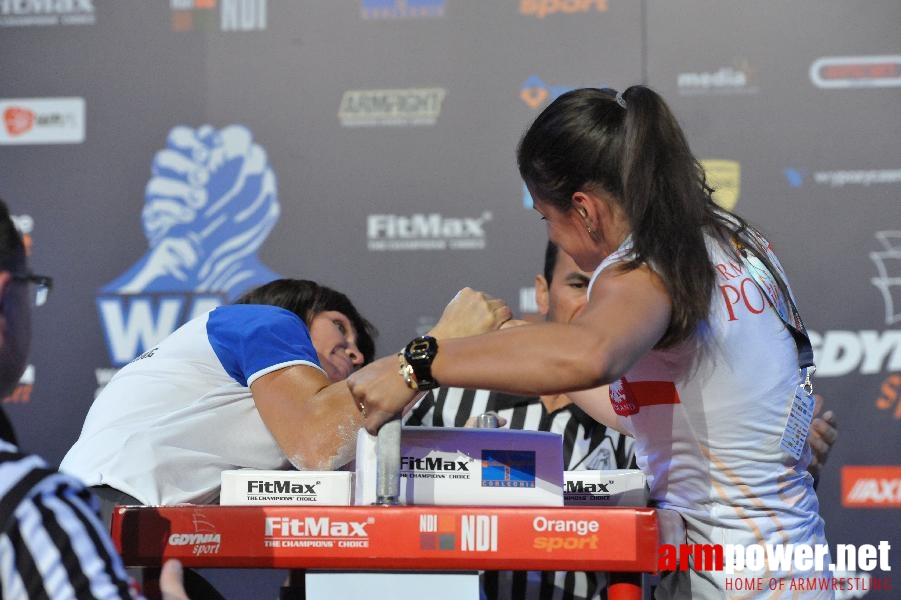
[421,231]
[431,537]
[797,177]
[219,15]
[391,107]
[42,121]
[535,92]
[735,79]
[542,8]
[401,9]
[30,13]
[871,486]
[867,352]
[843,72]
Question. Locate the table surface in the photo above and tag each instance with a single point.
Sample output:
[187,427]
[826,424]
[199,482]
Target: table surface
[390,537]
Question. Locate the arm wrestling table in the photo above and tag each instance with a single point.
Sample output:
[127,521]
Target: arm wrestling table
[622,541]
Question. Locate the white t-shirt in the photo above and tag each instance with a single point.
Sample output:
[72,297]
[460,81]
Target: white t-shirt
[168,423]
[708,417]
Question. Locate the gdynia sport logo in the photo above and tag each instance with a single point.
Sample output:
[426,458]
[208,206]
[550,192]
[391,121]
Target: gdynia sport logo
[763,566]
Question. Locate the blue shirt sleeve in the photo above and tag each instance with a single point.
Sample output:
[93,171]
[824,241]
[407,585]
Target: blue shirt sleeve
[253,339]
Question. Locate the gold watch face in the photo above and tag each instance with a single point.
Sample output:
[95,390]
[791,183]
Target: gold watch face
[419,347]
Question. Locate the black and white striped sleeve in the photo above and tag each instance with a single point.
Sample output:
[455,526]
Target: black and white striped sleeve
[53,545]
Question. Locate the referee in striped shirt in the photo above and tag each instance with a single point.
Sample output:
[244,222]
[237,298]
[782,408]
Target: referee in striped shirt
[52,543]
[561,293]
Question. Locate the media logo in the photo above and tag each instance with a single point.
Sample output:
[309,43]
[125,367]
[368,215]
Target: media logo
[421,231]
[401,9]
[844,72]
[871,486]
[219,15]
[535,92]
[738,78]
[42,121]
[724,176]
[508,468]
[209,205]
[30,13]
[394,107]
[542,8]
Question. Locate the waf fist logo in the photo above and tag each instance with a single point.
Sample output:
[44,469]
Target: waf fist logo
[18,120]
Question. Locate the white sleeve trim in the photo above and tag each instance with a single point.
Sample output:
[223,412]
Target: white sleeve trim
[280,366]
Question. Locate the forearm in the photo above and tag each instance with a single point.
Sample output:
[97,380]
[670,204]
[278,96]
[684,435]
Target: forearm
[315,423]
[327,439]
[570,358]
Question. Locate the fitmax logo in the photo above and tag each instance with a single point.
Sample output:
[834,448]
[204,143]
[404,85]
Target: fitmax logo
[580,487]
[314,527]
[280,487]
[412,463]
[421,231]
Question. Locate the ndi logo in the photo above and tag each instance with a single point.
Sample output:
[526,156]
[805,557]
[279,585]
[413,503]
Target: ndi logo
[208,207]
[233,15]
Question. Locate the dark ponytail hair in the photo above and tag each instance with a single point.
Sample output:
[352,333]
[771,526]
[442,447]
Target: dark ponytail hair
[306,299]
[630,146]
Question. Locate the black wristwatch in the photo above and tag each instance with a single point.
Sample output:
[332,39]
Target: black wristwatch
[419,354]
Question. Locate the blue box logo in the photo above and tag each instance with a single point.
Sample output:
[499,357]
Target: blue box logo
[508,468]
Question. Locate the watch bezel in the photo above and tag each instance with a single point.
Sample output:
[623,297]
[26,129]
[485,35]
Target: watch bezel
[419,354]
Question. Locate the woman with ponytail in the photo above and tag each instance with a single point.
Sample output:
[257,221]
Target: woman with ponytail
[690,340]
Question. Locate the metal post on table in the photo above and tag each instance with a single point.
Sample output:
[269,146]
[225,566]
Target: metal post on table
[387,478]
